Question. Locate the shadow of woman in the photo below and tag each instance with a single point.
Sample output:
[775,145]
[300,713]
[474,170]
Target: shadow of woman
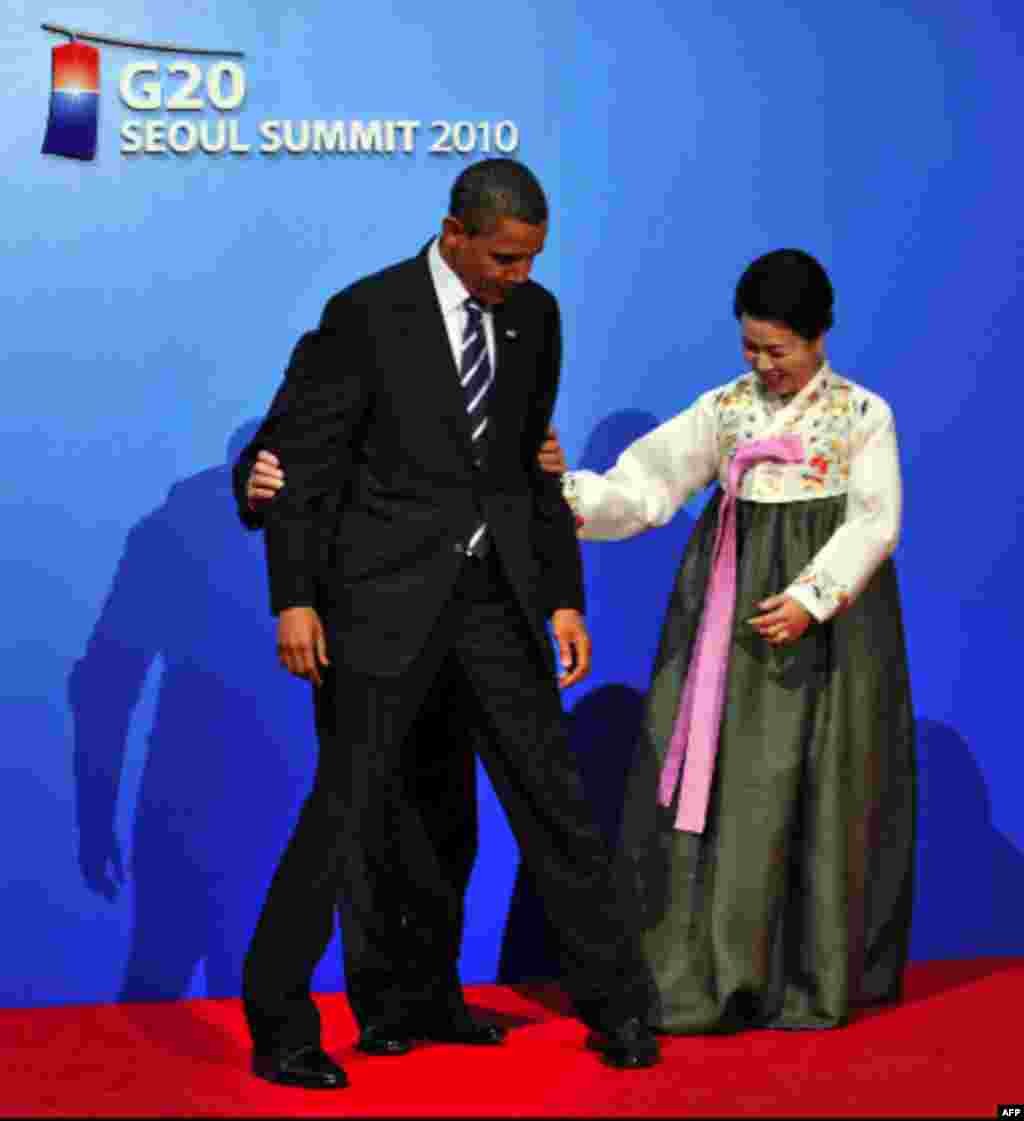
[229,747]
[970,877]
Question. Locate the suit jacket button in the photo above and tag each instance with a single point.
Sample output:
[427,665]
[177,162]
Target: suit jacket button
[458,547]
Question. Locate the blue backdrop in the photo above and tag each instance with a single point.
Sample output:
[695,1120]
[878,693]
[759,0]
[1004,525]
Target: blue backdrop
[153,301]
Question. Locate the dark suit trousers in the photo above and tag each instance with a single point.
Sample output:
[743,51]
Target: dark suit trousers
[361,844]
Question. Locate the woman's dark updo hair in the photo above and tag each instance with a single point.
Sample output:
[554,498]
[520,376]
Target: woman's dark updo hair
[787,286]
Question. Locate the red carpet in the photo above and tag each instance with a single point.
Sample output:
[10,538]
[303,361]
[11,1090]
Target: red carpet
[952,1049]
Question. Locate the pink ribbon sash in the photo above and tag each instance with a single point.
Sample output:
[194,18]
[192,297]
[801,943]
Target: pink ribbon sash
[695,733]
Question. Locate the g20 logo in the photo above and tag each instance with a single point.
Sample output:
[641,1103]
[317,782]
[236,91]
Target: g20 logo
[71,126]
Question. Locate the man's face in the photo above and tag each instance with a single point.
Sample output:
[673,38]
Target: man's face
[783,360]
[491,264]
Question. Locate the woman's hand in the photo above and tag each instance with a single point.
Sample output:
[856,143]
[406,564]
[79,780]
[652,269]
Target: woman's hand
[784,620]
[265,479]
[552,454]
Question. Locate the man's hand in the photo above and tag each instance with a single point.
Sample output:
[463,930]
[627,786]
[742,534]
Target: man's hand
[301,643]
[265,479]
[784,620]
[573,646]
[552,454]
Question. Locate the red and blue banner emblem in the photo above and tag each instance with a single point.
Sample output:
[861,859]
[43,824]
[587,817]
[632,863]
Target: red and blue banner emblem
[74,102]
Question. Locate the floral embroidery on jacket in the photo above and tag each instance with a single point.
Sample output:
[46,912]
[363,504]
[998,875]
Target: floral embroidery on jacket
[829,419]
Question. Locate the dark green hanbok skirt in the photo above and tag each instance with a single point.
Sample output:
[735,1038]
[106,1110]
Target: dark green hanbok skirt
[794,905]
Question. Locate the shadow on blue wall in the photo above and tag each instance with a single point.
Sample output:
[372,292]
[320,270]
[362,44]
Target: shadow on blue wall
[223,766]
[970,877]
[230,753]
[604,731]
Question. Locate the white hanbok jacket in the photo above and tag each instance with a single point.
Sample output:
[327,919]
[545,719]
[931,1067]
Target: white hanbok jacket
[849,448]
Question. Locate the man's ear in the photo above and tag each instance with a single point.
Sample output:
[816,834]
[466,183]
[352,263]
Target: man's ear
[453,232]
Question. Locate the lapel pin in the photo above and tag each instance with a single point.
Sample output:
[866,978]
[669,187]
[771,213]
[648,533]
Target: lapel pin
[511,333]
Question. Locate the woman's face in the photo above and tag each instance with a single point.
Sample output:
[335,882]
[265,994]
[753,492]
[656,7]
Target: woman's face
[783,361]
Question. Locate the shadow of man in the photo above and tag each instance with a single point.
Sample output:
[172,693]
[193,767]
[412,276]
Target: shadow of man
[229,751]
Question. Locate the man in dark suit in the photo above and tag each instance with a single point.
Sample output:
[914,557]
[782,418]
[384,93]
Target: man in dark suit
[440,781]
[409,424]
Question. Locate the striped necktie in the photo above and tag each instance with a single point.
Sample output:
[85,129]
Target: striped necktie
[476,377]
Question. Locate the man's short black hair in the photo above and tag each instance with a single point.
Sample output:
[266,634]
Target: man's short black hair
[492,189]
[790,287]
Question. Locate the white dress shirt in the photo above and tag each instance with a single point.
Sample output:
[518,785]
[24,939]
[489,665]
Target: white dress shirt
[452,296]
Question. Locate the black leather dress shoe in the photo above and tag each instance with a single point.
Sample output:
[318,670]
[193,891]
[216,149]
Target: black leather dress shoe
[628,1046]
[463,1030]
[309,1067]
[384,1041]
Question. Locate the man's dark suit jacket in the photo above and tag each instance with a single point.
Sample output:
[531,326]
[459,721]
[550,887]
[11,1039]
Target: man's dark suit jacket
[371,429]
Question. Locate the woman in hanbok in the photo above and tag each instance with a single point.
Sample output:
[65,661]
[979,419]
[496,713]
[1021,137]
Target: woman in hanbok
[768,826]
